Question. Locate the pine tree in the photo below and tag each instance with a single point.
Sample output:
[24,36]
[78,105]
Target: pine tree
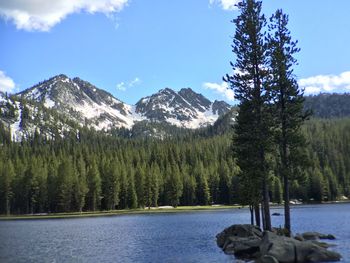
[132,196]
[7,175]
[189,187]
[203,192]
[65,177]
[277,190]
[288,100]
[253,136]
[80,184]
[155,184]
[94,184]
[140,185]
[174,185]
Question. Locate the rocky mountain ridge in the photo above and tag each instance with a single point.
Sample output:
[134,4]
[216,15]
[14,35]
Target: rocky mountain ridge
[80,102]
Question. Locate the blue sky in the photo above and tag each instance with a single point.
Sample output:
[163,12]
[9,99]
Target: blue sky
[133,48]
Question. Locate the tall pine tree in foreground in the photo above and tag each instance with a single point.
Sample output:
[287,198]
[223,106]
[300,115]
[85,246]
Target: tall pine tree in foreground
[288,102]
[253,136]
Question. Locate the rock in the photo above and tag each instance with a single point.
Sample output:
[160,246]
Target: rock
[322,244]
[238,231]
[316,235]
[323,256]
[276,214]
[299,237]
[290,250]
[280,247]
[267,259]
[247,242]
[243,241]
[243,247]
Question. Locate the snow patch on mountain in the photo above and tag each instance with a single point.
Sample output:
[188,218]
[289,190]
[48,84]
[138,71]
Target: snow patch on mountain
[87,105]
[15,129]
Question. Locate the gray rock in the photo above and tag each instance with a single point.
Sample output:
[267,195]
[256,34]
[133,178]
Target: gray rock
[299,237]
[280,247]
[247,242]
[238,231]
[276,214]
[290,250]
[316,235]
[267,259]
[321,244]
[243,247]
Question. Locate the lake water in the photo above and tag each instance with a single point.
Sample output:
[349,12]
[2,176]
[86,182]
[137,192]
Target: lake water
[172,237]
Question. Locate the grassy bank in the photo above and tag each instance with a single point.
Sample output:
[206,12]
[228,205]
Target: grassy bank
[116,212]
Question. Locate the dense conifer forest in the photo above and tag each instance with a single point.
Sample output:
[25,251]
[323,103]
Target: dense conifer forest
[91,171]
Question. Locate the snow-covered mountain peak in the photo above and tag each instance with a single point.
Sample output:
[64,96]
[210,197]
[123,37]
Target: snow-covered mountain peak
[85,104]
[82,102]
[185,108]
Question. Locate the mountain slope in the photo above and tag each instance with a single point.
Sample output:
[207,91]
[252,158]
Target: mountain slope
[327,105]
[185,108]
[78,103]
[96,108]
[82,102]
[23,119]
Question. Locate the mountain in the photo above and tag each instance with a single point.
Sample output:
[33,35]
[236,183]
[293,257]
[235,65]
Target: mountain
[76,103]
[185,108]
[23,119]
[326,105]
[82,102]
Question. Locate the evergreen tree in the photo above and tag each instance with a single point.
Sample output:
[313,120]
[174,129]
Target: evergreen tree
[155,182]
[64,185]
[174,185]
[288,100]
[132,196]
[123,203]
[7,175]
[189,187]
[203,192]
[277,190]
[140,185]
[253,135]
[80,184]
[94,185]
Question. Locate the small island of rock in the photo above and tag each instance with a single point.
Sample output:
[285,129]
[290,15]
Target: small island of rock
[248,242]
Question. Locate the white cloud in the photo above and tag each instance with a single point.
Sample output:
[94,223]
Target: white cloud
[123,86]
[6,83]
[42,15]
[222,88]
[228,5]
[326,83]
[134,82]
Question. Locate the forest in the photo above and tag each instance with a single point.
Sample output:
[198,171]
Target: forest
[89,171]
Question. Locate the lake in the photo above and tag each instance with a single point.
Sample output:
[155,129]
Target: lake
[166,237]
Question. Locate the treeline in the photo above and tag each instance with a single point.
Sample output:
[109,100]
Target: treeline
[328,175]
[326,105]
[98,172]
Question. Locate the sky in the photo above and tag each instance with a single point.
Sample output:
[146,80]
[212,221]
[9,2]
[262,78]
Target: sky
[133,48]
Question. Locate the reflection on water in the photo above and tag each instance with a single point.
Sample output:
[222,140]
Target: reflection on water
[174,237]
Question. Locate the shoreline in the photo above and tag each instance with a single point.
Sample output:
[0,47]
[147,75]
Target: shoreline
[180,209]
[153,210]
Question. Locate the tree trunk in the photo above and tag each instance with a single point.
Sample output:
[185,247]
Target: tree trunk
[257,215]
[251,214]
[266,206]
[285,168]
[287,224]
[263,216]
[7,206]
